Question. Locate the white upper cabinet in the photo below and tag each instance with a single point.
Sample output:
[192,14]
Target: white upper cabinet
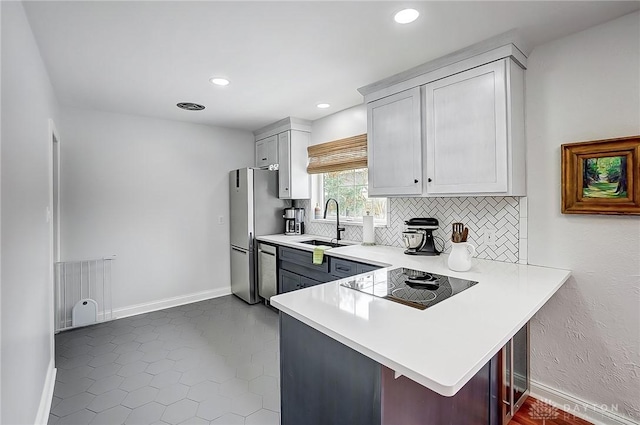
[267,152]
[466,127]
[293,180]
[475,132]
[394,145]
[463,136]
[285,143]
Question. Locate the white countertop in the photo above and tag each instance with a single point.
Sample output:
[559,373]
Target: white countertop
[441,347]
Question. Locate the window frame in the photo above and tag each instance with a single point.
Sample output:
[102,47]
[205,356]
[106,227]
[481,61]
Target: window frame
[317,196]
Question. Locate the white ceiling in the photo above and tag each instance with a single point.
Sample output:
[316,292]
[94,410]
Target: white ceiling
[282,57]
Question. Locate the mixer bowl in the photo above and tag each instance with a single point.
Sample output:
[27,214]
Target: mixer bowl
[412,239]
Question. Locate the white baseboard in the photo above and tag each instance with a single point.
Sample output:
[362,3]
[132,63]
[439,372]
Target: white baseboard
[595,413]
[44,408]
[132,310]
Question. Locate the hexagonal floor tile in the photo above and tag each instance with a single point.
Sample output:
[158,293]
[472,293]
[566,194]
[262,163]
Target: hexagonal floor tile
[147,337]
[172,393]
[115,415]
[73,404]
[233,387]
[264,385]
[140,397]
[245,404]
[165,379]
[133,368]
[105,370]
[214,407]
[248,371]
[229,419]
[147,414]
[180,411]
[103,359]
[107,400]
[127,347]
[195,421]
[271,401]
[130,357]
[136,381]
[105,384]
[83,416]
[155,355]
[160,366]
[69,389]
[151,346]
[263,417]
[203,391]
[69,375]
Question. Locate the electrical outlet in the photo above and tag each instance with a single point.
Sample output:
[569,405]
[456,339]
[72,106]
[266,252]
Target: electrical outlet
[489,236]
[220,219]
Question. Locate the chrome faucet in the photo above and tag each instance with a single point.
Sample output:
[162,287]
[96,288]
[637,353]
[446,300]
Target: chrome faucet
[338,228]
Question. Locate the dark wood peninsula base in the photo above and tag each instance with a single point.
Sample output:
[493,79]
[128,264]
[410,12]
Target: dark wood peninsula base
[325,382]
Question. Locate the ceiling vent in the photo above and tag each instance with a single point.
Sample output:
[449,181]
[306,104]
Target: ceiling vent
[190,106]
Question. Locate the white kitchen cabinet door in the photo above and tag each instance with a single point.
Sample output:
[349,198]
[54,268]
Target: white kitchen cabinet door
[293,180]
[267,152]
[261,154]
[284,168]
[466,132]
[272,150]
[395,145]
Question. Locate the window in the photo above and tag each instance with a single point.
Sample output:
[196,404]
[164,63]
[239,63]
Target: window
[349,188]
[339,170]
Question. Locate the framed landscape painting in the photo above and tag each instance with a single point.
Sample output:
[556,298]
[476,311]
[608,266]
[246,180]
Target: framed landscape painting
[601,177]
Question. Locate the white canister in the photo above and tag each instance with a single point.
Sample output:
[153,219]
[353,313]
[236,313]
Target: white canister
[460,257]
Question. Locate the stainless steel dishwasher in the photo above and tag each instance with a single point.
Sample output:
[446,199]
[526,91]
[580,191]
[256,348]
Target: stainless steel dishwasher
[267,271]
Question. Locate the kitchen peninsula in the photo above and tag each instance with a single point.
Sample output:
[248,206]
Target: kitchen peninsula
[350,357]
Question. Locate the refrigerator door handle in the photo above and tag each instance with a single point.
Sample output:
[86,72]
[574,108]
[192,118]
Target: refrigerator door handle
[250,241]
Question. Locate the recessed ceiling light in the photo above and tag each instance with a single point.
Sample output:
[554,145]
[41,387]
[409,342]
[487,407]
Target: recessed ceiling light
[406,16]
[190,106]
[323,105]
[218,81]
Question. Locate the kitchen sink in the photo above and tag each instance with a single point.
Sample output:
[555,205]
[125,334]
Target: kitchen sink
[325,243]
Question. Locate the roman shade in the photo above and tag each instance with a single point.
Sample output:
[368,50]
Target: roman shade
[338,155]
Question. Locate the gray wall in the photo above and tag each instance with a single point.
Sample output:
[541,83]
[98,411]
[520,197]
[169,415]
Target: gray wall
[150,191]
[28,102]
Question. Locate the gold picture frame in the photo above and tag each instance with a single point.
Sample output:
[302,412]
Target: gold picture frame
[601,177]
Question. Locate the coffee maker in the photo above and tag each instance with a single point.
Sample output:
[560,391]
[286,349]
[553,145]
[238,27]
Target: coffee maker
[418,236]
[293,221]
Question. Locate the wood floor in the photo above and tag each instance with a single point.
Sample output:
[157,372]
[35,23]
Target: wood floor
[535,412]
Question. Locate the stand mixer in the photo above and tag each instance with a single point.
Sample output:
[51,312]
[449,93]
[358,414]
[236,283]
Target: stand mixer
[418,236]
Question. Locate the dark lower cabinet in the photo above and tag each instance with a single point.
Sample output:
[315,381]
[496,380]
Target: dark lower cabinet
[297,271]
[289,281]
[408,403]
[326,382]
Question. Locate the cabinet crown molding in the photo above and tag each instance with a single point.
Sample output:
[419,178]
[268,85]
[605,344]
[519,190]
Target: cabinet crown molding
[508,44]
[289,123]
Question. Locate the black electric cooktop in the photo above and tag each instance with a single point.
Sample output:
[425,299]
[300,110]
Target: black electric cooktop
[410,287]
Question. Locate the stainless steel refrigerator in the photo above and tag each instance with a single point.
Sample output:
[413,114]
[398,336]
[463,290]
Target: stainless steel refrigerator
[255,210]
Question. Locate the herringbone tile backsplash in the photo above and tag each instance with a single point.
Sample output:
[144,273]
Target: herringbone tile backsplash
[478,213]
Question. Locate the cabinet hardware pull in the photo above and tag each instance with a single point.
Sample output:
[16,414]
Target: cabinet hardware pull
[264,159]
[429,180]
[346,269]
[415,180]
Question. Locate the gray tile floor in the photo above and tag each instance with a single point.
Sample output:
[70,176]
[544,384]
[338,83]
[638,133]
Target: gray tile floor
[212,362]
